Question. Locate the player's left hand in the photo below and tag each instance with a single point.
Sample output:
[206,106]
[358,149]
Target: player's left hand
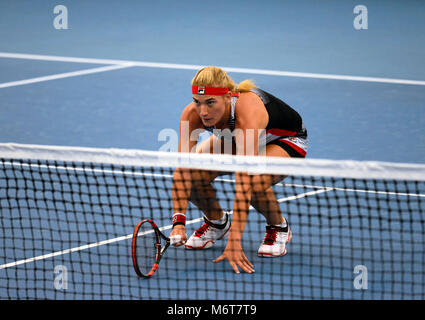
[236,257]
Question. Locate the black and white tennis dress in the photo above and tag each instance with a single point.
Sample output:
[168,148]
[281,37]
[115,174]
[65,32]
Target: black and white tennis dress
[285,128]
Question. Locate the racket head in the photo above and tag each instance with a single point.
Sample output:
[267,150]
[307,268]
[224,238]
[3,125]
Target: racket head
[146,246]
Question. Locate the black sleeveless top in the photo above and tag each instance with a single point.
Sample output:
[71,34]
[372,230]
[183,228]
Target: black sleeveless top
[284,121]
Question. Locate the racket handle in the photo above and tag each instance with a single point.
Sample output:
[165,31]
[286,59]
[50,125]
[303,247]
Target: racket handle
[175,239]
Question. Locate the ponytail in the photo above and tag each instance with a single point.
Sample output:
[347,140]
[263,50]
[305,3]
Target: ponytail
[245,86]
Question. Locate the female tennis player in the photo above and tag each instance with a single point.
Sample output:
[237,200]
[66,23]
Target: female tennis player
[249,114]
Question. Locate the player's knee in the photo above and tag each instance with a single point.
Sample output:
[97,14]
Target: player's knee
[200,178]
[192,176]
[258,185]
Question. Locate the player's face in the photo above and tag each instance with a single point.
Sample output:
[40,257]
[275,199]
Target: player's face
[211,109]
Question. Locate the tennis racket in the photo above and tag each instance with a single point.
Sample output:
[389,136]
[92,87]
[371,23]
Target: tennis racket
[147,248]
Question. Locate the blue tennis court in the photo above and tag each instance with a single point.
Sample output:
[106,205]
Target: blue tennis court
[119,77]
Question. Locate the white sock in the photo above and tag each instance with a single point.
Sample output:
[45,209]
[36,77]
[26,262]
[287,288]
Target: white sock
[222,220]
[284,224]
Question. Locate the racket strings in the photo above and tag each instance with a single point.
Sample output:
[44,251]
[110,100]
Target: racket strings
[146,248]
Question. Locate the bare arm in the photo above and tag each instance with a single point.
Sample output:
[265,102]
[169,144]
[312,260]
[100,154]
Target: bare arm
[249,125]
[182,183]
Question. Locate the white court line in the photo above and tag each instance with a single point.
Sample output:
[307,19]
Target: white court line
[129,236]
[324,188]
[63,75]
[304,195]
[197,67]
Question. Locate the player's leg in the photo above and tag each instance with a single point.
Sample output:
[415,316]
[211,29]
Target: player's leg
[263,199]
[203,195]
[265,202]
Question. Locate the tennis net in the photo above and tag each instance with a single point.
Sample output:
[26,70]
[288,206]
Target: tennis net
[68,214]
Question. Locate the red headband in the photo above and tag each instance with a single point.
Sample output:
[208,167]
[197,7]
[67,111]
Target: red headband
[213,91]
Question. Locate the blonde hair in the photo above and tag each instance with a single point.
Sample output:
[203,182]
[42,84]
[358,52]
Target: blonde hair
[217,77]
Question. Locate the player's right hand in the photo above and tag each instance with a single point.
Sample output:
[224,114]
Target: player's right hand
[179,231]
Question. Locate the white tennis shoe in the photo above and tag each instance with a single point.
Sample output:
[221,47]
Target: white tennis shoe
[206,235]
[275,240]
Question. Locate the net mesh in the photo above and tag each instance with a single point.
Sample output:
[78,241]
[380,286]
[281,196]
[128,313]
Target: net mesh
[67,218]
